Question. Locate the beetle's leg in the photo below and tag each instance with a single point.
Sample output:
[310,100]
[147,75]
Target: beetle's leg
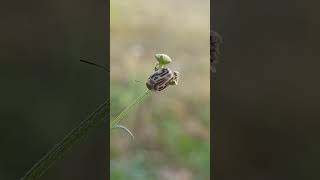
[139,82]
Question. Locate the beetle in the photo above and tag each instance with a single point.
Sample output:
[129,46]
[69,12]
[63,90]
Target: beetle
[161,79]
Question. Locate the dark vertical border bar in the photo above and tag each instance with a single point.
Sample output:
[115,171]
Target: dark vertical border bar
[216,48]
[108,84]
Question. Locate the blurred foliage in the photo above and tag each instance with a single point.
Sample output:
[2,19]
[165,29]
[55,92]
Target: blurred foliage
[171,127]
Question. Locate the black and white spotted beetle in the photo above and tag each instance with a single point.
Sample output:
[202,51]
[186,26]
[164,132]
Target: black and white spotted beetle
[161,79]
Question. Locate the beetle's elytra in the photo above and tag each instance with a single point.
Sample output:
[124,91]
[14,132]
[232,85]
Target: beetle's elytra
[161,79]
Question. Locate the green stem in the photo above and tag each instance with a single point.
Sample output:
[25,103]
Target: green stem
[123,114]
[57,152]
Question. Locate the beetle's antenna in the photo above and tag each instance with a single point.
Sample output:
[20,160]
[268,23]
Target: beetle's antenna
[95,64]
[139,82]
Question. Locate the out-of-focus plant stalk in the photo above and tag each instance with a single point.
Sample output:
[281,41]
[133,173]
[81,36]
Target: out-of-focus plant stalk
[125,112]
[57,152]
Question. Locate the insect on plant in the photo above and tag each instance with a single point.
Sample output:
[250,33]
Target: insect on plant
[160,79]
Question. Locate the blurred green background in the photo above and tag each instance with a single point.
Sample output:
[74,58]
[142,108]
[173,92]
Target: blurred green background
[45,91]
[172,127]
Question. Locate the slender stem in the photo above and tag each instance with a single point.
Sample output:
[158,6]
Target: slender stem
[123,114]
[57,152]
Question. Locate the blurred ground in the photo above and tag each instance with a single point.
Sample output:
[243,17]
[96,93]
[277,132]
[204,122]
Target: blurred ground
[171,128]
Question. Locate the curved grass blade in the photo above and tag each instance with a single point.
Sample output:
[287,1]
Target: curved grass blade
[125,129]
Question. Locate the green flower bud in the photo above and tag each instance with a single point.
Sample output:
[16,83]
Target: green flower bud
[163,59]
